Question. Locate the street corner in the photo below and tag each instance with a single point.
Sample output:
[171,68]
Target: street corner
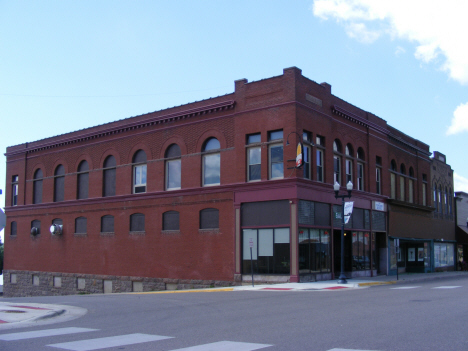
[13,315]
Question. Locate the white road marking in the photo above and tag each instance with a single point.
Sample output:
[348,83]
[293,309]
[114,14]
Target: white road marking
[405,287]
[112,341]
[43,333]
[446,287]
[226,346]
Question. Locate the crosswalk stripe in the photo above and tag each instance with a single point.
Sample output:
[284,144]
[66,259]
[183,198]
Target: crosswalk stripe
[447,287]
[226,346]
[113,341]
[405,287]
[44,333]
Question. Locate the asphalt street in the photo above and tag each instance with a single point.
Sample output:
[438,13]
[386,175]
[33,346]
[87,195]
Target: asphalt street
[422,315]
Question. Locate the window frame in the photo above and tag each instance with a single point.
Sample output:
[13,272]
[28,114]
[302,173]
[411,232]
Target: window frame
[107,173]
[14,190]
[59,183]
[275,140]
[202,221]
[211,154]
[37,186]
[360,176]
[254,144]
[82,180]
[378,180]
[165,223]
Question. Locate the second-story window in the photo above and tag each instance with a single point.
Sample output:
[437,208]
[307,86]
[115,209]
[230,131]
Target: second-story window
[83,180]
[378,180]
[139,172]
[307,139]
[59,183]
[393,179]
[109,174]
[254,157]
[173,167]
[411,186]
[402,182]
[14,190]
[275,150]
[37,187]
[211,166]
[360,169]
[320,144]
[424,190]
[336,162]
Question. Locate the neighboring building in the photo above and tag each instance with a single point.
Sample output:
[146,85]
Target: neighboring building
[176,198]
[461,223]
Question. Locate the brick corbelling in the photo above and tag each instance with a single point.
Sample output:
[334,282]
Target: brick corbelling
[87,135]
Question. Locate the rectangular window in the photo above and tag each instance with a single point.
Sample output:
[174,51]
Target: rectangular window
[254,158]
[173,174]
[137,222]
[306,167]
[336,169]
[276,167]
[424,194]
[319,161]
[402,188]
[320,141]
[349,171]
[80,225]
[209,218]
[107,224]
[378,177]
[360,176]
[211,169]
[14,190]
[109,182]
[392,186]
[139,179]
[378,160]
[314,251]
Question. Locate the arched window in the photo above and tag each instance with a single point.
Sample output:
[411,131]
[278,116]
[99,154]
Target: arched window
[402,182]
[83,180]
[436,203]
[35,227]
[173,167]
[411,185]
[80,225]
[360,169]
[393,168]
[59,183]
[337,162]
[211,162]
[37,187]
[108,188]
[139,172]
[439,200]
[209,218]
[446,204]
[349,163]
[137,222]
[171,220]
[107,224]
[13,228]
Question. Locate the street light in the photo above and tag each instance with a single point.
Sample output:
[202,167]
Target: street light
[336,187]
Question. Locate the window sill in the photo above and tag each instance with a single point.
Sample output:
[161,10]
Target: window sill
[107,233]
[80,234]
[137,233]
[209,231]
[170,231]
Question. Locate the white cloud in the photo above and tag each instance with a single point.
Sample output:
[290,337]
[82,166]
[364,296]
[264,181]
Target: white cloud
[459,120]
[460,183]
[399,51]
[437,27]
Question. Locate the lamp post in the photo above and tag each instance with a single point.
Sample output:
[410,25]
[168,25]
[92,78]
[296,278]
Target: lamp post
[336,187]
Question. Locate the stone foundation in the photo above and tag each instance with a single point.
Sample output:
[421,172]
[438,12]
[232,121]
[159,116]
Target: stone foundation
[31,283]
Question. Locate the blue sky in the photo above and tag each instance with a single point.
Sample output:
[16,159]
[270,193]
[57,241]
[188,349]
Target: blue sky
[68,65]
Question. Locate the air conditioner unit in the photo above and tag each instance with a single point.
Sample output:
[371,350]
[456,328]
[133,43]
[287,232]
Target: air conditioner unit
[56,229]
[34,231]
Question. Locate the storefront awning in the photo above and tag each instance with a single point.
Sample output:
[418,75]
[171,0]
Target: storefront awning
[462,234]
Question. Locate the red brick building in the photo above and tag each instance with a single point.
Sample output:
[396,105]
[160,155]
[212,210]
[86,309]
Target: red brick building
[176,198]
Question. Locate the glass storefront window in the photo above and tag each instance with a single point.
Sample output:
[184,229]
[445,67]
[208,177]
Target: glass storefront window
[443,255]
[361,251]
[270,251]
[314,251]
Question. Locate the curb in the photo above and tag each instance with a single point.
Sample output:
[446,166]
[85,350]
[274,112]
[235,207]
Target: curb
[376,283]
[50,315]
[181,291]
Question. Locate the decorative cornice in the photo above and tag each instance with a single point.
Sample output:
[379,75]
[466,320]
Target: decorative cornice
[368,124]
[91,135]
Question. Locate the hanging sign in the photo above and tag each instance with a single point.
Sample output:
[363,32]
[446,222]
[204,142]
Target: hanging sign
[299,156]
[348,210]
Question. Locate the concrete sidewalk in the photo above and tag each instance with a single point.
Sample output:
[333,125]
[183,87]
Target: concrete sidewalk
[354,283]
